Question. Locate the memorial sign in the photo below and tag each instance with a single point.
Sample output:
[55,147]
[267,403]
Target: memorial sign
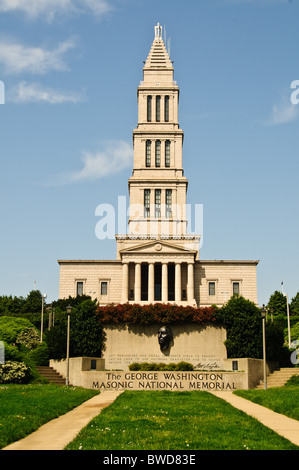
[165,380]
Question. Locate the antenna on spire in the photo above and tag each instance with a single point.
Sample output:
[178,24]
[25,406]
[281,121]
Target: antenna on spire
[168,46]
[158,32]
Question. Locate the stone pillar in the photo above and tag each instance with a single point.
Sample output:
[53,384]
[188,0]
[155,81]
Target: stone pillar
[151,282]
[164,282]
[125,283]
[178,283]
[190,287]
[137,282]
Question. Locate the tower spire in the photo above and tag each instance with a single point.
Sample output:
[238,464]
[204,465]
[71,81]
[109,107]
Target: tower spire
[158,32]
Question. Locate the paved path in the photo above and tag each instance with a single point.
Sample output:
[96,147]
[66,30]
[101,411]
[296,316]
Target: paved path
[282,425]
[56,434]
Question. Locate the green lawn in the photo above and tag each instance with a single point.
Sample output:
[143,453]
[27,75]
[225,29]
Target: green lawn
[24,408]
[154,420]
[284,400]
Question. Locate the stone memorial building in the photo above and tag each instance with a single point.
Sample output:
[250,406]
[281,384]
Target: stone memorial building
[156,260]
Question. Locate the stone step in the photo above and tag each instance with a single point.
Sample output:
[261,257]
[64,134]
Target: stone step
[279,377]
[50,374]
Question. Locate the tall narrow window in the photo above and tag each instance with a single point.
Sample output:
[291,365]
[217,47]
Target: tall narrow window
[149,108]
[158,203]
[236,288]
[166,109]
[168,203]
[212,288]
[104,288]
[158,153]
[167,153]
[146,202]
[148,154]
[80,288]
[158,107]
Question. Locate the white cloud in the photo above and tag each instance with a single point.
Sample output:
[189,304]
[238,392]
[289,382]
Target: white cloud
[283,112]
[113,158]
[35,92]
[16,58]
[51,8]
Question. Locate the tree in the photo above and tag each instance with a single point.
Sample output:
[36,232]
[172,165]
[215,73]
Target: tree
[85,330]
[242,320]
[277,303]
[33,302]
[294,305]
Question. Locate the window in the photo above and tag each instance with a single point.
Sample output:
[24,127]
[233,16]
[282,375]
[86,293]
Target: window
[158,107]
[236,288]
[146,202]
[158,203]
[212,288]
[166,109]
[148,154]
[158,153]
[168,202]
[149,108]
[104,288]
[80,288]
[167,153]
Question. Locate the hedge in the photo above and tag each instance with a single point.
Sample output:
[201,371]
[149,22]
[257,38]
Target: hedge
[155,313]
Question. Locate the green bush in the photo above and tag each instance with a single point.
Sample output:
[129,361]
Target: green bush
[14,372]
[293,381]
[12,353]
[40,355]
[11,327]
[29,338]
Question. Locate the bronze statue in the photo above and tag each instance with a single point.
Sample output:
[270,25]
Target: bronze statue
[164,337]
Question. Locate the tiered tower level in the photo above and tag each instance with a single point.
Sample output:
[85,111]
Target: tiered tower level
[158,187]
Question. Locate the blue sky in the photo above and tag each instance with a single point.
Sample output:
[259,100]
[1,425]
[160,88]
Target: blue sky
[71,70]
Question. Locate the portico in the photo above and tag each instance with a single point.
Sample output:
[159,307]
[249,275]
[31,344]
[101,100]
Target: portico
[158,272]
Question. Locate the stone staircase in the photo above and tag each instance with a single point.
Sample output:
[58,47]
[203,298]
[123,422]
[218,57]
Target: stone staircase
[51,374]
[279,377]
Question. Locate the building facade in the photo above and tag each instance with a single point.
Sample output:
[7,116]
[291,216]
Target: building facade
[157,260]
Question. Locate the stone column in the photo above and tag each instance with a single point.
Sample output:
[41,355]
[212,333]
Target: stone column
[125,283]
[190,288]
[151,282]
[178,283]
[164,282]
[137,282]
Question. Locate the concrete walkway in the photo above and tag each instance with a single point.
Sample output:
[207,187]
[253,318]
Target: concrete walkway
[56,434]
[282,425]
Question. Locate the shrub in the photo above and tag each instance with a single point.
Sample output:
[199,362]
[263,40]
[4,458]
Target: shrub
[40,355]
[155,313]
[28,338]
[10,327]
[14,372]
